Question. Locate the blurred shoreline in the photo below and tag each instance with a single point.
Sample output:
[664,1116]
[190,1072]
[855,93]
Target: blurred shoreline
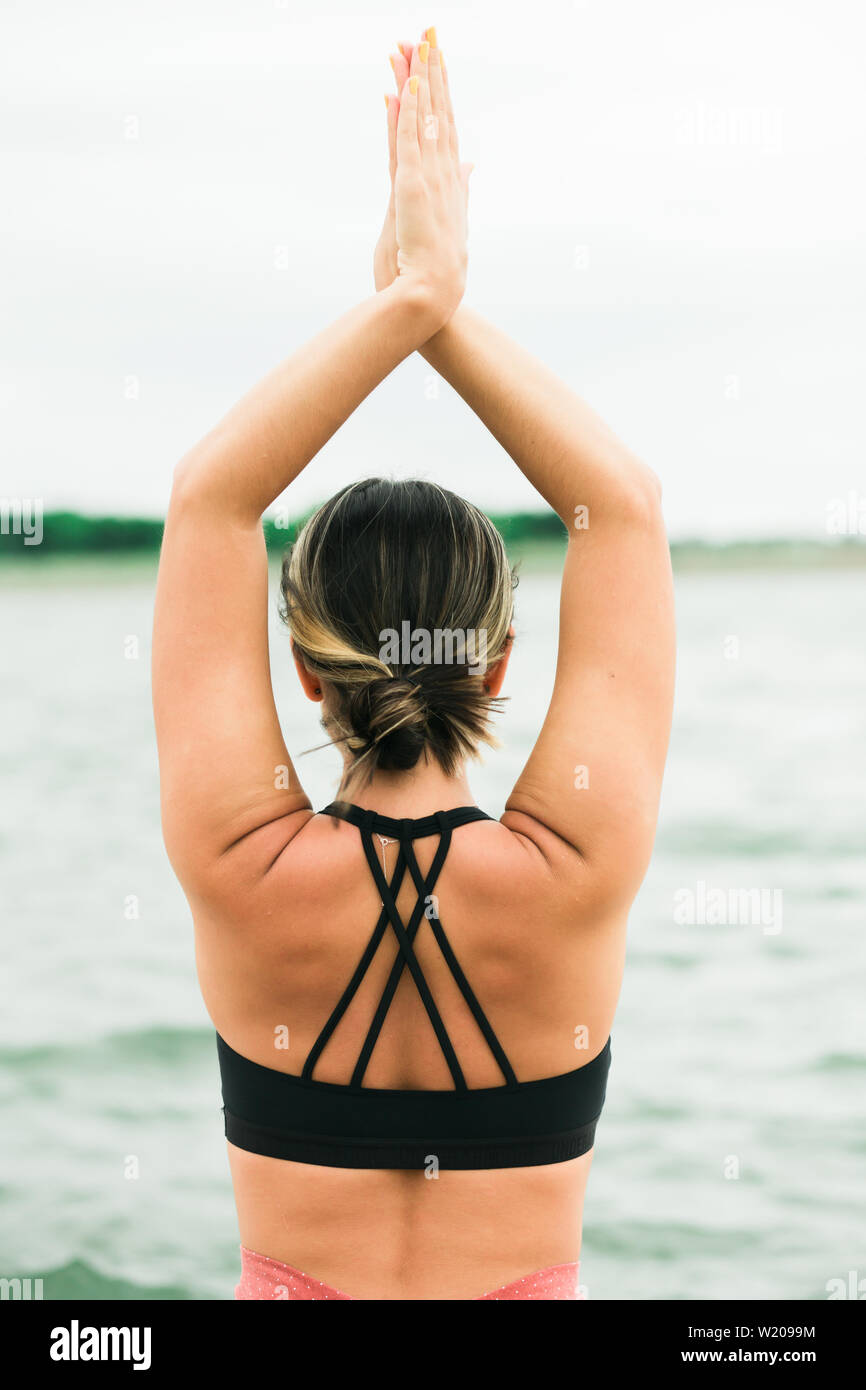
[537,538]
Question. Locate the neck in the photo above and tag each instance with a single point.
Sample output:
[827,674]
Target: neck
[413,794]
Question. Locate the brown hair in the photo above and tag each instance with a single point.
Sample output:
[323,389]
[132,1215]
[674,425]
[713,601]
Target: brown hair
[385,559]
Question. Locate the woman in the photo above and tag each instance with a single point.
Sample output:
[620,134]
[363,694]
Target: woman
[413,1001]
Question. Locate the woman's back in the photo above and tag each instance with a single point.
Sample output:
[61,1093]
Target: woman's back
[546,978]
[412,1125]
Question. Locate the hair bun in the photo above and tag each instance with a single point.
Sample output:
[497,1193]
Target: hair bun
[389,713]
[379,553]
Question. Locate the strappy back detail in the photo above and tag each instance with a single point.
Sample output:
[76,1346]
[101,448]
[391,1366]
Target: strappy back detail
[403,832]
[514,1124]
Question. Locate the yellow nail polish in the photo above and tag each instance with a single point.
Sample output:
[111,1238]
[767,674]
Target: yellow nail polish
[391,61]
[387,102]
[413,85]
[430,35]
[423,50]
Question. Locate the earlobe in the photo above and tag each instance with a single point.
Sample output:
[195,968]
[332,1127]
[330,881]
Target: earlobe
[496,674]
[309,683]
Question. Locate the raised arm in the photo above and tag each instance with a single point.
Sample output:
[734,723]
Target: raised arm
[588,796]
[593,779]
[227,783]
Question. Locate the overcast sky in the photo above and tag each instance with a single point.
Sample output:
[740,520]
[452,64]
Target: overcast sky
[668,207]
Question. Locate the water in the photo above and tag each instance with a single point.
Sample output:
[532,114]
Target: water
[729,1161]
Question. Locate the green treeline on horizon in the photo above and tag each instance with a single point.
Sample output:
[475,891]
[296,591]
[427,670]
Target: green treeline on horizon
[70,533]
[73,534]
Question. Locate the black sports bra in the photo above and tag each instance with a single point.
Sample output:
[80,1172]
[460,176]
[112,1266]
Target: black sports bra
[514,1125]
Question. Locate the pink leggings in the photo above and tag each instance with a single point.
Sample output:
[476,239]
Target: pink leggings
[262,1278]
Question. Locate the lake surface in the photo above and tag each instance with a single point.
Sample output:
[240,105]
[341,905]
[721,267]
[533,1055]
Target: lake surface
[730,1157]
